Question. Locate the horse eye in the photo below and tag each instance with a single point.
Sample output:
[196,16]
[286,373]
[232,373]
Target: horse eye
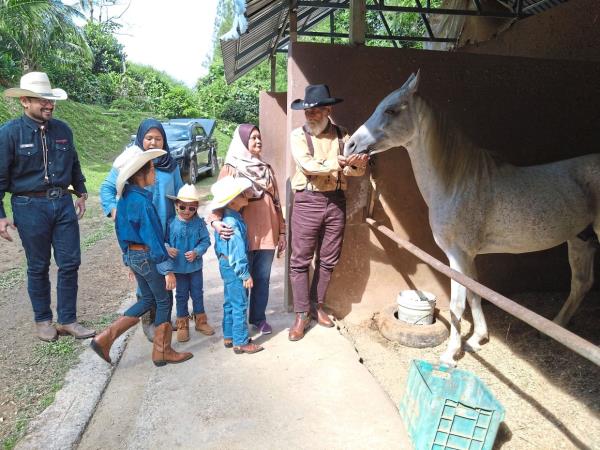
[391,112]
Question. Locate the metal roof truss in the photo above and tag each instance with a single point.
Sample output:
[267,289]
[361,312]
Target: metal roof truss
[268,25]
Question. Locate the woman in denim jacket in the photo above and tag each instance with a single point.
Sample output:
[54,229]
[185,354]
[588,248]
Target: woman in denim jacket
[142,241]
[150,135]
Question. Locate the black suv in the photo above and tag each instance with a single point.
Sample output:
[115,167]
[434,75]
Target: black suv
[192,146]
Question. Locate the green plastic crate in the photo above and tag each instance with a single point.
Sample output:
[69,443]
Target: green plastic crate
[447,408]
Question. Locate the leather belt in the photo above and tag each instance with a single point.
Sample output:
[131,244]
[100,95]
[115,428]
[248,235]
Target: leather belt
[51,193]
[138,247]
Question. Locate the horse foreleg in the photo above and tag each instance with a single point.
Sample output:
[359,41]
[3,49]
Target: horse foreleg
[480,330]
[581,260]
[458,294]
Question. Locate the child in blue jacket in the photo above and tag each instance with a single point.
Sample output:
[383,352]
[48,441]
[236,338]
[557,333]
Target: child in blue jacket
[187,240]
[228,193]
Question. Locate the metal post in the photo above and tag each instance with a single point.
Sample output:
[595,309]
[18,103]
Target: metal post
[358,11]
[331,26]
[293,17]
[273,60]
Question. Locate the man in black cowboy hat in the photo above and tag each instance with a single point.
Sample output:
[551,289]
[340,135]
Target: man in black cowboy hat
[319,212]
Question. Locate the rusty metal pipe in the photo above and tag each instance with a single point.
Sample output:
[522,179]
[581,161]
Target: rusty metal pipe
[549,328]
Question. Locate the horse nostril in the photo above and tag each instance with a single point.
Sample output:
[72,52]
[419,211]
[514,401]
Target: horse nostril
[350,147]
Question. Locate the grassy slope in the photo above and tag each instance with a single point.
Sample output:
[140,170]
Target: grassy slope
[100,135]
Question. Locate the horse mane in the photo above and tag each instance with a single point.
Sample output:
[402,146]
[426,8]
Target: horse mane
[454,156]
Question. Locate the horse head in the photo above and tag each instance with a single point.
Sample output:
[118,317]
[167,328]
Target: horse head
[392,124]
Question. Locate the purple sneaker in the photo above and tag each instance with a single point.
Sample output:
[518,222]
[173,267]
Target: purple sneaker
[264,327]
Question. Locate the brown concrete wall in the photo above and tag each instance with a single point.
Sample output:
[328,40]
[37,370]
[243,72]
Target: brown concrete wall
[528,110]
[567,31]
[272,122]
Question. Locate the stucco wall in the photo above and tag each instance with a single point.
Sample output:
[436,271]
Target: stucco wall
[568,31]
[527,110]
[272,123]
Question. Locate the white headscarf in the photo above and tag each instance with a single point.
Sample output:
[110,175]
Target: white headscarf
[249,165]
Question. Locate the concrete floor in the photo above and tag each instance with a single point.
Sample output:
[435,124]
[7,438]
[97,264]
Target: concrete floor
[308,394]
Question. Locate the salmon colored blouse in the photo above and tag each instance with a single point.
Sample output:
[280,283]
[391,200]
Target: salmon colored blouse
[263,218]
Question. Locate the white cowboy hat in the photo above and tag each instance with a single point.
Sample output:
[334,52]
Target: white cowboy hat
[187,193]
[36,84]
[130,161]
[226,189]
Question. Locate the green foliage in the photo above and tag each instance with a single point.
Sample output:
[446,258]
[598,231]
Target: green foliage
[33,31]
[108,54]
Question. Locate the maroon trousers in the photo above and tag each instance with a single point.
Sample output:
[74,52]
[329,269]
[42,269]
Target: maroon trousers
[318,221]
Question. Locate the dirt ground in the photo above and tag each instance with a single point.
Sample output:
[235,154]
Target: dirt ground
[32,371]
[551,395]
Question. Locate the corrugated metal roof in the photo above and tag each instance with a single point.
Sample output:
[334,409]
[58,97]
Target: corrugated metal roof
[266,18]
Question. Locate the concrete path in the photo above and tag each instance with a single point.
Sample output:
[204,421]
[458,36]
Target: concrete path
[295,395]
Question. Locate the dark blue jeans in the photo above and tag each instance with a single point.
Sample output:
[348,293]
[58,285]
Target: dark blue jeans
[260,270]
[234,306]
[189,284]
[151,285]
[43,225]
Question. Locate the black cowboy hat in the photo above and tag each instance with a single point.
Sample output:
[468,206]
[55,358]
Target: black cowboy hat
[315,95]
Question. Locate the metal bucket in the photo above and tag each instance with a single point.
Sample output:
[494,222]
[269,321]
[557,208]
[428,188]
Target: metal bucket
[416,307]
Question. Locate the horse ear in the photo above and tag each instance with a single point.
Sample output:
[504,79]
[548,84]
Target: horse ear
[413,82]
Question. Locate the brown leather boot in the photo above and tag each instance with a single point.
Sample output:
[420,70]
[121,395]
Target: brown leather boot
[102,343]
[300,325]
[183,329]
[202,324]
[321,316]
[162,352]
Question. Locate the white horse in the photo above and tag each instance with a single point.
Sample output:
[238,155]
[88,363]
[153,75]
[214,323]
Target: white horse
[480,205]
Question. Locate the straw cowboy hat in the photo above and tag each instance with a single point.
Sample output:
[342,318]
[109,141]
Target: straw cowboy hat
[36,84]
[130,161]
[315,95]
[187,193]
[226,189]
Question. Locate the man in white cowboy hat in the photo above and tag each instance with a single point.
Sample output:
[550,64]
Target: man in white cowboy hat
[319,211]
[38,163]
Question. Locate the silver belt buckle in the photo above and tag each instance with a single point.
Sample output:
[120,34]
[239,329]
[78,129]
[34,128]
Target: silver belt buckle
[54,193]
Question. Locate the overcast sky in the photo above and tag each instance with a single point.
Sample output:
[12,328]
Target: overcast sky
[174,36]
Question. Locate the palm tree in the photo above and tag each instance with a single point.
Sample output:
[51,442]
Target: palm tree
[32,31]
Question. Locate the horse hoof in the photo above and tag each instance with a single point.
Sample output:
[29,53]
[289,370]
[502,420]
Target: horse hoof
[472,346]
[447,361]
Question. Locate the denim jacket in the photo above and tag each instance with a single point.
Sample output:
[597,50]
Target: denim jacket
[186,236]
[22,158]
[137,223]
[236,248]
[166,183]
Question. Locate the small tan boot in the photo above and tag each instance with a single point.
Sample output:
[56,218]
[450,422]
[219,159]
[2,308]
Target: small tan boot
[202,325]
[183,329]
[102,343]
[162,352]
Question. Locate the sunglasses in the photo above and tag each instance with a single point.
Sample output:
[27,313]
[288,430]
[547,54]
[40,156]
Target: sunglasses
[188,208]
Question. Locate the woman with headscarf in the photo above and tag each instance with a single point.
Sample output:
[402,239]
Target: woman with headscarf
[150,135]
[263,216]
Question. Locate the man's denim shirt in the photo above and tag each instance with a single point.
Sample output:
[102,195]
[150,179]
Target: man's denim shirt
[22,159]
[236,248]
[137,223]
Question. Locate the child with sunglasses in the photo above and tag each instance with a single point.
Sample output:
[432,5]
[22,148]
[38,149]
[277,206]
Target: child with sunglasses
[187,240]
